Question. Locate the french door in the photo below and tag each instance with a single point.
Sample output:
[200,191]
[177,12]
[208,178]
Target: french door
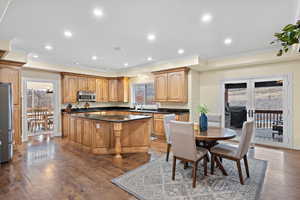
[267,101]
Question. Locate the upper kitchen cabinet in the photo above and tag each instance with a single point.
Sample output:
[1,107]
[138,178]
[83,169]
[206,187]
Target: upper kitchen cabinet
[69,88]
[82,84]
[12,75]
[161,87]
[101,90]
[113,90]
[171,85]
[118,89]
[91,84]
[107,89]
[123,89]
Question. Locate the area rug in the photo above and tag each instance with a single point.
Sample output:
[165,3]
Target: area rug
[152,181]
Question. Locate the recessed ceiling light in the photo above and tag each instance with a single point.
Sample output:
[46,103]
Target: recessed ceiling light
[68,34]
[151,37]
[34,55]
[206,18]
[180,51]
[227,41]
[125,64]
[48,47]
[98,12]
[94,57]
[149,58]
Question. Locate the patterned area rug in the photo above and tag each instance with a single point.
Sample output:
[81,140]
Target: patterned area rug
[152,181]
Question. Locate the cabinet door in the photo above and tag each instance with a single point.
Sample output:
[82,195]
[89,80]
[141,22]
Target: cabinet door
[70,88]
[99,95]
[66,125]
[87,133]
[11,75]
[82,84]
[17,137]
[161,87]
[113,90]
[105,90]
[176,86]
[79,130]
[159,128]
[92,84]
[72,129]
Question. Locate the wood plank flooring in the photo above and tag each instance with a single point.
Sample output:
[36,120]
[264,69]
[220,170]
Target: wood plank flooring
[52,169]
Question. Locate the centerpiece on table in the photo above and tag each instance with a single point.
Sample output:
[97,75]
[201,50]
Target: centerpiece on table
[203,110]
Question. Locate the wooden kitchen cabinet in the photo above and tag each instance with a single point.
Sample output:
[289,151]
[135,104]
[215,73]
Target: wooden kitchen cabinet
[113,90]
[87,133]
[91,84]
[72,129]
[158,126]
[82,84]
[171,85]
[105,93]
[177,87]
[123,89]
[106,89]
[161,87]
[65,124]
[79,130]
[17,124]
[12,75]
[69,89]
[101,90]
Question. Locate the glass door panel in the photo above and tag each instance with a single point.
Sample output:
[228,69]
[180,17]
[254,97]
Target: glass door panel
[39,108]
[236,104]
[268,97]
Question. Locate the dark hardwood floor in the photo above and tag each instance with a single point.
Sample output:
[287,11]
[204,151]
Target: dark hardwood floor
[52,169]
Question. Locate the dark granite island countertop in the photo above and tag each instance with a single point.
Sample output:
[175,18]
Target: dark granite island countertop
[111,118]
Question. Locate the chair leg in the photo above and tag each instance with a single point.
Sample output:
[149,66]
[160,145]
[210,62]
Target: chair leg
[212,163]
[195,173]
[238,162]
[174,168]
[168,152]
[205,165]
[246,165]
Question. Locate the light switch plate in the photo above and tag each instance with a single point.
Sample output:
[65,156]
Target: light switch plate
[97,125]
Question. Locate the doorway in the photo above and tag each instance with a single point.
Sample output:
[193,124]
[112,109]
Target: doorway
[40,113]
[267,101]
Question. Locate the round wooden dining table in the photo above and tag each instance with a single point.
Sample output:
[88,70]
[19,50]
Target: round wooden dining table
[210,138]
[215,134]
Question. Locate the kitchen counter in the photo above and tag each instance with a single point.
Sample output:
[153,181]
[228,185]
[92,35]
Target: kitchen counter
[128,109]
[111,118]
[108,134]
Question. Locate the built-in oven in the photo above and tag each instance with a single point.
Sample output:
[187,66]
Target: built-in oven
[86,96]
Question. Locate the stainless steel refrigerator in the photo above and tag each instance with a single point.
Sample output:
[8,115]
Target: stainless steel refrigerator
[6,130]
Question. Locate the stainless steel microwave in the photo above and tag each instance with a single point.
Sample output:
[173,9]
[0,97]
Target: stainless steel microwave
[86,96]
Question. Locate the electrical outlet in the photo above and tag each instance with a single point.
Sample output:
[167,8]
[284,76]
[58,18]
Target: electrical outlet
[97,125]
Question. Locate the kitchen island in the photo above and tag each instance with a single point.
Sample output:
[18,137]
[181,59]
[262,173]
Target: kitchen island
[110,134]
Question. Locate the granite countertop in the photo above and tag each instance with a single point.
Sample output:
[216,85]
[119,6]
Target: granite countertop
[111,118]
[159,111]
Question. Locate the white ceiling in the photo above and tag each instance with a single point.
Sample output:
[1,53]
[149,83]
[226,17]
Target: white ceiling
[31,24]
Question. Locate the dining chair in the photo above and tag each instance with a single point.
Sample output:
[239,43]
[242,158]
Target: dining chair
[167,119]
[214,120]
[184,147]
[235,153]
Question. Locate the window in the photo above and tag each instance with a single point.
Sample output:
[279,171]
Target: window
[143,94]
